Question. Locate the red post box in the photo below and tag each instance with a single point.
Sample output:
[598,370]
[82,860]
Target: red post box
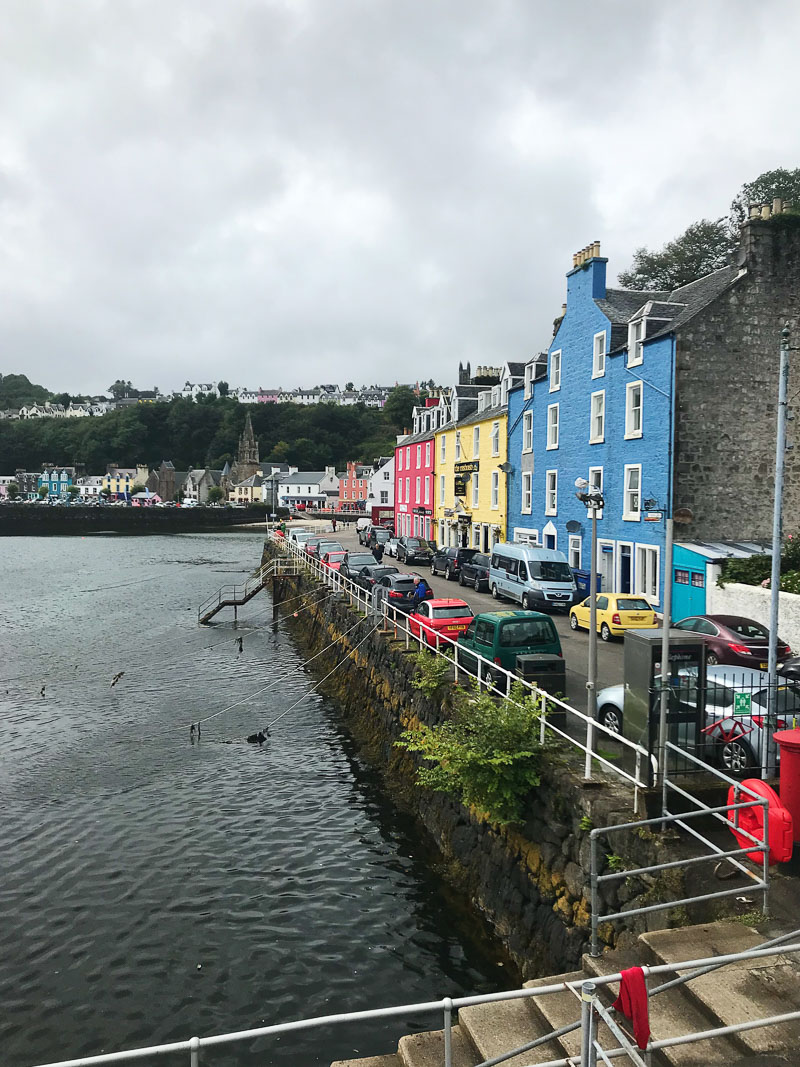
[789,744]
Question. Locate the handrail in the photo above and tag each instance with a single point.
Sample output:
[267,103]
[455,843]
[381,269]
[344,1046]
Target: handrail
[446,1005]
[239,594]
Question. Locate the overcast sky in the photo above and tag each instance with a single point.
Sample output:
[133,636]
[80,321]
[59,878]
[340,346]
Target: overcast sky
[284,192]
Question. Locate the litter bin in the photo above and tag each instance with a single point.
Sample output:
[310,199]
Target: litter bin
[549,672]
[583,580]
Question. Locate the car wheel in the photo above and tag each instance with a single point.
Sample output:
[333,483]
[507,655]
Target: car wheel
[477,585]
[737,758]
[611,717]
[448,574]
[461,579]
[495,594]
[605,633]
[526,604]
[712,659]
[573,621]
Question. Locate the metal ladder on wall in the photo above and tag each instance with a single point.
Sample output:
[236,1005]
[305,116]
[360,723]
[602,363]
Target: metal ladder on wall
[236,595]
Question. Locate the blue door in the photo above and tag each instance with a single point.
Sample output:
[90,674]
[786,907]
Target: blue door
[688,592]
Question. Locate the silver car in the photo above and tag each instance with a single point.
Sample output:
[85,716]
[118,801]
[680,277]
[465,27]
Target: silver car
[390,548]
[736,709]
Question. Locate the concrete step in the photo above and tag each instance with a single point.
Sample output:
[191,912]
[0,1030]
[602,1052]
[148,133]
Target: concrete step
[427,1049]
[370,1061]
[671,1013]
[737,992]
[559,1009]
[503,1025]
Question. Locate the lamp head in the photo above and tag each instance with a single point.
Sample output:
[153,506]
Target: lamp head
[581,483]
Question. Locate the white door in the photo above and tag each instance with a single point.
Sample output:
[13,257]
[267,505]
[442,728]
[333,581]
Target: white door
[605,565]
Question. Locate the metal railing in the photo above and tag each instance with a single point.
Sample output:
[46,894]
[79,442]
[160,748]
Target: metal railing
[728,815]
[491,676]
[236,595]
[580,988]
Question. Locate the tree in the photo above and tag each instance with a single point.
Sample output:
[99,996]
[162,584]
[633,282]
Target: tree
[223,388]
[766,187]
[702,248]
[215,494]
[73,491]
[62,398]
[43,491]
[349,387]
[122,388]
[16,390]
[13,490]
[105,492]
[399,407]
[137,487]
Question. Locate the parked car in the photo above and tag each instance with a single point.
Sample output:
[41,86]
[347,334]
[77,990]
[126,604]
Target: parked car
[414,550]
[501,636]
[315,546]
[397,590]
[300,533]
[333,559]
[449,561]
[368,576]
[735,717]
[378,535]
[535,577]
[733,639]
[439,620]
[390,548]
[363,531]
[475,572]
[354,561]
[616,613]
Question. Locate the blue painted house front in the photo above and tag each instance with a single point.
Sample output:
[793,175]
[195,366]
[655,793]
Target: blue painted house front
[57,481]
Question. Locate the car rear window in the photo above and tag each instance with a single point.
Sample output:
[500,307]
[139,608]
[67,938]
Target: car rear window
[360,559]
[631,603]
[380,535]
[479,560]
[747,629]
[787,699]
[403,583]
[452,613]
[527,633]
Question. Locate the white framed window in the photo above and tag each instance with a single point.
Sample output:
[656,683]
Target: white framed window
[495,490]
[386,476]
[529,369]
[575,552]
[527,431]
[551,493]
[495,438]
[417,487]
[646,582]
[596,484]
[476,441]
[476,535]
[408,490]
[555,371]
[505,387]
[399,459]
[527,493]
[633,410]
[427,453]
[635,342]
[408,457]
[631,505]
[552,426]
[495,395]
[384,496]
[597,419]
[475,489]
[443,448]
[427,490]
[419,456]
[441,488]
[599,355]
[458,444]
[524,536]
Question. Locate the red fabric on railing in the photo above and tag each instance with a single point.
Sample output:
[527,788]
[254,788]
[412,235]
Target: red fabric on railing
[632,1002]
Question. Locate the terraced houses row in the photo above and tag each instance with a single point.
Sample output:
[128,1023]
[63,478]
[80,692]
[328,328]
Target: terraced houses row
[661,400]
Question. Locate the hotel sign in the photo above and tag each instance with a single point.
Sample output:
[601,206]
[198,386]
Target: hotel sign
[466,468]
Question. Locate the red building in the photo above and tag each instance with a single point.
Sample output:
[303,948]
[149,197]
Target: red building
[354,485]
[414,505]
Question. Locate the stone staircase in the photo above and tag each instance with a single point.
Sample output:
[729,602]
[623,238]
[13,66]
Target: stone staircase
[733,994]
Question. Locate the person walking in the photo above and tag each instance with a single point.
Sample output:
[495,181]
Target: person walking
[333,524]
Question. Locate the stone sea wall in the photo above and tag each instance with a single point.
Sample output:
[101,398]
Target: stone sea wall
[27,520]
[531,881]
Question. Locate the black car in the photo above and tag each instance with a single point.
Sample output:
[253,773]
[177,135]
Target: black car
[449,561]
[475,572]
[368,576]
[378,535]
[397,590]
[414,550]
[354,561]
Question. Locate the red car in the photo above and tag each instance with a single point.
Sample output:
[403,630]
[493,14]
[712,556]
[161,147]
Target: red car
[733,639]
[333,560]
[440,620]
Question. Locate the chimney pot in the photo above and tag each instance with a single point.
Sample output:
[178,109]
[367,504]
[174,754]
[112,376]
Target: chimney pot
[765,212]
[563,309]
[596,249]
[754,211]
[574,259]
[777,206]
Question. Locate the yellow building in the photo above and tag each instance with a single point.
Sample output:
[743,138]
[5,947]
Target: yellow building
[470,484]
[119,481]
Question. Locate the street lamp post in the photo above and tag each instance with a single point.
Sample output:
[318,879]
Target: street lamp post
[593,499]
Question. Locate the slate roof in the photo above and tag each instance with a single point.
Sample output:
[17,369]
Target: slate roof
[303,476]
[481,416]
[516,370]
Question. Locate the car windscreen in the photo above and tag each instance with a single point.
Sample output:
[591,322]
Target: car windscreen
[414,542]
[527,633]
[380,535]
[546,570]
[632,603]
[452,613]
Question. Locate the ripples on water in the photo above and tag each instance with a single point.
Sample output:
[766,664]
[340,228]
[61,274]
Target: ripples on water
[153,888]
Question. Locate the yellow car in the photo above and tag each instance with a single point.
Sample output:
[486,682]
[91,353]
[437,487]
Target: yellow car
[616,613]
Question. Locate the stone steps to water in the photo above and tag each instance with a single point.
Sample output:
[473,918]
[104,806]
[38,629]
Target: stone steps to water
[733,994]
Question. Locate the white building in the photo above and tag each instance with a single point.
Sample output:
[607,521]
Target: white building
[89,487]
[381,484]
[308,487]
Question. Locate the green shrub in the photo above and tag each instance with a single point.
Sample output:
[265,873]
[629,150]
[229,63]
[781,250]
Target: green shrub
[488,755]
[754,570]
[433,672]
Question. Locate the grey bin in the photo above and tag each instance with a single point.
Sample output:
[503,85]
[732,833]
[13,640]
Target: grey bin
[549,672]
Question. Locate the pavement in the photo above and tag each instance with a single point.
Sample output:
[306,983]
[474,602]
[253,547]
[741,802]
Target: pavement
[575,645]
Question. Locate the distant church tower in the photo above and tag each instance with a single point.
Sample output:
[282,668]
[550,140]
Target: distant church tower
[247,463]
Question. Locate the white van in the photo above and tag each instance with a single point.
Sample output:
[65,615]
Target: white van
[300,534]
[538,578]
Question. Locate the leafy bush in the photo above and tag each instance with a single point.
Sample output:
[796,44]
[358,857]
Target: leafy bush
[488,755]
[433,672]
[755,570]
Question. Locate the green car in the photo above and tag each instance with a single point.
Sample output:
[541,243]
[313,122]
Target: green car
[501,636]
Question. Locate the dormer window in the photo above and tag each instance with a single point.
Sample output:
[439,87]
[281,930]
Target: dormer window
[484,399]
[636,332]
[495,396]
[555,371]
[506,385]
[528,380]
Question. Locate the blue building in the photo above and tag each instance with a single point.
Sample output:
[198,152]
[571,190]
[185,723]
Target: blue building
[600,405]
[57,481]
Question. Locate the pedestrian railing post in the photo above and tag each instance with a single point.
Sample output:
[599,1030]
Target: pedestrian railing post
[194,1052]
[595,948]
[587,765]
[448,1032]
[587,1037]
[542,718]
[765,868]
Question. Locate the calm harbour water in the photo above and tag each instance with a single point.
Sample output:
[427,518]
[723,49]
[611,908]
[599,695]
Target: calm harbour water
[153,888]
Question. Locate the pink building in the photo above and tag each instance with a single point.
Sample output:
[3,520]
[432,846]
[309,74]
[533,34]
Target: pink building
[354,485]
[414,462]
[268,396]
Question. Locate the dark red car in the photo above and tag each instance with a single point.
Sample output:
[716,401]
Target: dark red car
[733,639]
